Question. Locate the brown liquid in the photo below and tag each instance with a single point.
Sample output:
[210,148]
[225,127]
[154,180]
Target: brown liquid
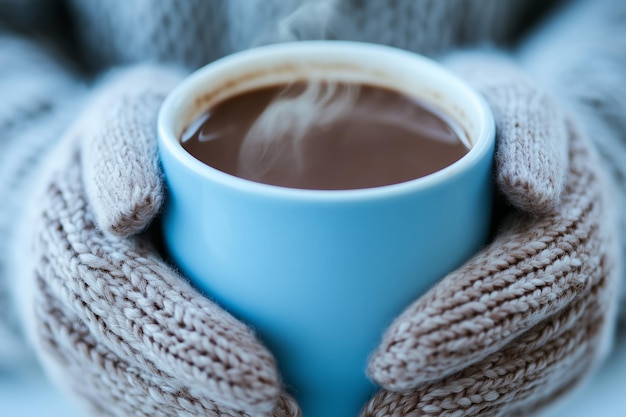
[386,138]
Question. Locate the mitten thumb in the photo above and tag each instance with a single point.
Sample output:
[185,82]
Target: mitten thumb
[531,160]
[121,172]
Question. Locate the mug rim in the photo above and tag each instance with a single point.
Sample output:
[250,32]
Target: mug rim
[195,85]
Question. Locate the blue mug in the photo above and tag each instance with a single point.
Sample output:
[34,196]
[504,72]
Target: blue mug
[321,274]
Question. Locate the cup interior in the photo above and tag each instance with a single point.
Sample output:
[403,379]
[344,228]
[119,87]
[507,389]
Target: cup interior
[338,61]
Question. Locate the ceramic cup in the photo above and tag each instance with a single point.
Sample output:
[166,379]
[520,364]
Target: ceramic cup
[321,274]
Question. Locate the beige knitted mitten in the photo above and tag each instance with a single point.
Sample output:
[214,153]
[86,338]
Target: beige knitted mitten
[114,324]
[528,318]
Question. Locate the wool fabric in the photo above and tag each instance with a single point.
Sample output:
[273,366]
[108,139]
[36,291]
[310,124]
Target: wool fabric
[506,314]
[587,76]
[519,323]
[195,32]
[117,328]
[120,165]
[39,95]
[127,328]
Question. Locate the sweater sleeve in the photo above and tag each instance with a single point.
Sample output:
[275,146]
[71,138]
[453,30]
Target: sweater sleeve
[37,103]
[194,32]
[579,56]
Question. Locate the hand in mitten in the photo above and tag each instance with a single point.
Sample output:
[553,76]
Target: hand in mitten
[114,324]
[527,318]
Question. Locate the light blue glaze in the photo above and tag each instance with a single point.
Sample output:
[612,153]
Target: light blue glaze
[320,275]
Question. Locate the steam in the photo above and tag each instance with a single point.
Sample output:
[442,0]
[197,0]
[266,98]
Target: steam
[310,20]
[284,124]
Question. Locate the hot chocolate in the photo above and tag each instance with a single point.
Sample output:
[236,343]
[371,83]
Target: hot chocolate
[364,136]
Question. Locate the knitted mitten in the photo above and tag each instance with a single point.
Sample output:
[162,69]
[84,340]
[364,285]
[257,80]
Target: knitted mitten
[529,317]
[115,325]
